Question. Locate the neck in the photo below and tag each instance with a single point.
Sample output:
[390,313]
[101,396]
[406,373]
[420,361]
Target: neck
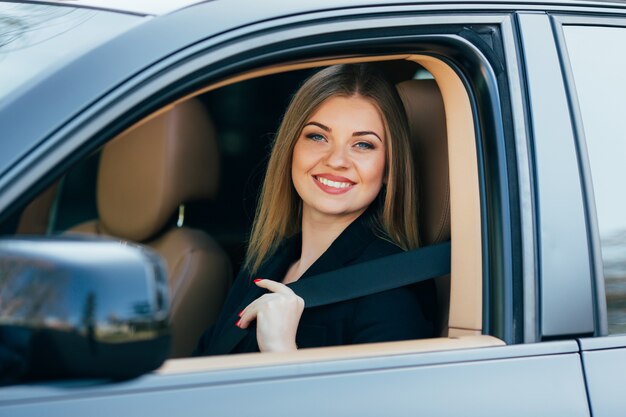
[318,233]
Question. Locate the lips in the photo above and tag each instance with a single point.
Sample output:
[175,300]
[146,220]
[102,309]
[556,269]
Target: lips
[333,184]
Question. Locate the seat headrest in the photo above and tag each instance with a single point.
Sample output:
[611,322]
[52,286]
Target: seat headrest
[425,111]
[152,168]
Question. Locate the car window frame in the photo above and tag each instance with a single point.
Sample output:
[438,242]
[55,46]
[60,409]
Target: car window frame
[558,22]
[603,355]
[96,123]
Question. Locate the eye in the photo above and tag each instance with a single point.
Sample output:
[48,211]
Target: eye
[315,137]
[364,145]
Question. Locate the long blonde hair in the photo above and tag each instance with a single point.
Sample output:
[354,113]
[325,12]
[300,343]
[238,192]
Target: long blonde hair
[278,213]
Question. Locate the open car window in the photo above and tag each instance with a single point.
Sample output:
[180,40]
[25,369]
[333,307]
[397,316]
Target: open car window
[243,115]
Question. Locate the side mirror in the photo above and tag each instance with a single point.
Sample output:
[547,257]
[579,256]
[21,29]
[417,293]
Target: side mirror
[81,307]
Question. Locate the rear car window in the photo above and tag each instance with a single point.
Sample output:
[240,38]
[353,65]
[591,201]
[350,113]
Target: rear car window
[598,62]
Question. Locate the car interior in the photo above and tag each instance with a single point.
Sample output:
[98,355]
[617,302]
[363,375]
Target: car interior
[184,181]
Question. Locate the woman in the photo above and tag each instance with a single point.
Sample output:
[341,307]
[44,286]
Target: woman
[339,190]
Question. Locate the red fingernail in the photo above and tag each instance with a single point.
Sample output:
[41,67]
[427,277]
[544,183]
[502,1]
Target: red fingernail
[258,279]
[237,324]
[240,313]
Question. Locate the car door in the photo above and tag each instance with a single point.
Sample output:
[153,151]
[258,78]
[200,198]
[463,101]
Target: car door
[596,90]
[470,376]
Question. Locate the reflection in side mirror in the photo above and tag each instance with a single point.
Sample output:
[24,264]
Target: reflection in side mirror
[81,307]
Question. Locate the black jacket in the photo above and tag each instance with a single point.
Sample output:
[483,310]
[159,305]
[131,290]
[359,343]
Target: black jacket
[398,314]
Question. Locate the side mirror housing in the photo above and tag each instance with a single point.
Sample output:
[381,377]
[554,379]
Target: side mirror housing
[81,307]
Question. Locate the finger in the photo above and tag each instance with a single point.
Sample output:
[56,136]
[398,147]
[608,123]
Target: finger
[251,312]
[253,303]
[248,316]
[273,286]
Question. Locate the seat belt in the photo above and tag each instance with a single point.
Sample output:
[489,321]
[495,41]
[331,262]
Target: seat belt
[355,281]
[375,276]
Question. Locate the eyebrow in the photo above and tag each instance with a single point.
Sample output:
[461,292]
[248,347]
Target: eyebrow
[365,133]
[359,133]
[321,126]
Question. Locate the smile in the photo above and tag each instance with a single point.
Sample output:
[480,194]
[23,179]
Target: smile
[333,187]
[333,184]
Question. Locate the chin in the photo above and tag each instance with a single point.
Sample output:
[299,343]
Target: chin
[339,211]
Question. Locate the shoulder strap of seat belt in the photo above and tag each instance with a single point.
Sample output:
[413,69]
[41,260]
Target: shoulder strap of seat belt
[374,276]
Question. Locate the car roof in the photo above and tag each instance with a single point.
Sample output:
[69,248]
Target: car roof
[160,7]
[143,7]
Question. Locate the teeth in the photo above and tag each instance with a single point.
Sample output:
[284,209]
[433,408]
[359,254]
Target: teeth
[333,184]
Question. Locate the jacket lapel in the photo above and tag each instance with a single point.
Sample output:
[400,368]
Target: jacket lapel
[346,248]
[229,336]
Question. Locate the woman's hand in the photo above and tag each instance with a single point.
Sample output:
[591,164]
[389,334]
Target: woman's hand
[277,315]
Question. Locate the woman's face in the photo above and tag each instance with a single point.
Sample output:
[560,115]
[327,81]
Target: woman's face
[338,161]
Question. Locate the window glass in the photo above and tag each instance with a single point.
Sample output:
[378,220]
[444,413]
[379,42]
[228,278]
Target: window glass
[598,61]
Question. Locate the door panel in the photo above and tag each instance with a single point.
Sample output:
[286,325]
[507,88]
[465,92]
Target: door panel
[521,380]
[597,86]
[604,361]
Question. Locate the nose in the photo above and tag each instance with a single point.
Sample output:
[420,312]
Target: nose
[337,157]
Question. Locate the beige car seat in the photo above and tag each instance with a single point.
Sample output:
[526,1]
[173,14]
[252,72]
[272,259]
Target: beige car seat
[427,122]
[144,177]
[35,218]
